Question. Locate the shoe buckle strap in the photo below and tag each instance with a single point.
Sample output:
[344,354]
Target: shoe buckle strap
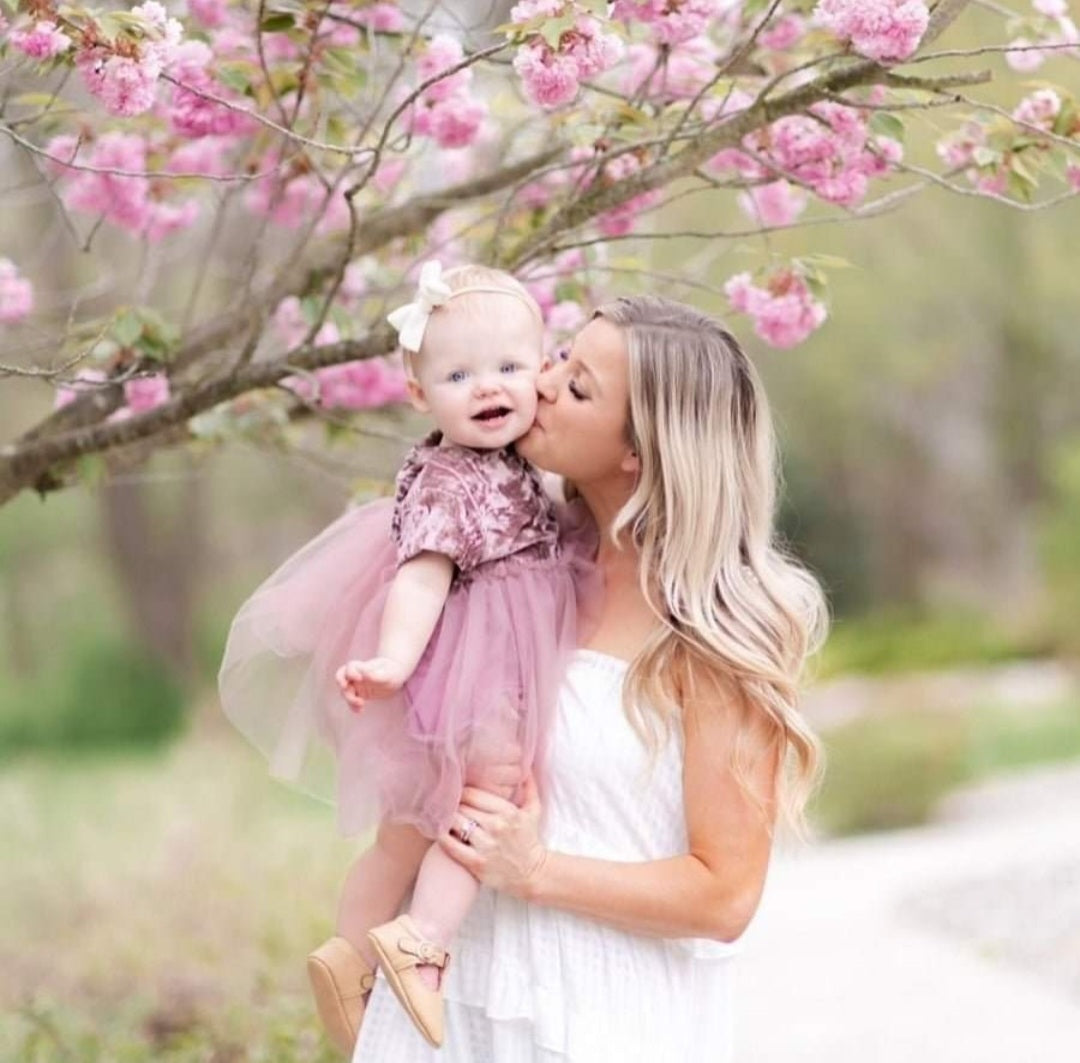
[426,952]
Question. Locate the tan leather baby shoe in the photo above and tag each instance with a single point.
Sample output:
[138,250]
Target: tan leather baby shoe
[401,950]
[340,980]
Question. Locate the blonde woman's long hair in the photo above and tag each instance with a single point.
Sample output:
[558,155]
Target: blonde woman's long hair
[734,607]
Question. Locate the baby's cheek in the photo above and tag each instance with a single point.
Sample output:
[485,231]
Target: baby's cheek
[529,398]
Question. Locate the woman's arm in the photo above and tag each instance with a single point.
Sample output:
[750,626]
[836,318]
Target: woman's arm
[711,891]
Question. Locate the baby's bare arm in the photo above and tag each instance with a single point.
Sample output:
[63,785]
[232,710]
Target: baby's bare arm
[413,606]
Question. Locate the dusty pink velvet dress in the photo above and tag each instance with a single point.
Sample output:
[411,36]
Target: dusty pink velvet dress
[489,674]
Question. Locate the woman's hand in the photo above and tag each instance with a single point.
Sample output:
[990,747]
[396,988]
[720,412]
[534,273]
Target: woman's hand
[504,850]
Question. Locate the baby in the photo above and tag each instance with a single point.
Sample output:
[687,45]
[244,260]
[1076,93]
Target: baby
[444,620]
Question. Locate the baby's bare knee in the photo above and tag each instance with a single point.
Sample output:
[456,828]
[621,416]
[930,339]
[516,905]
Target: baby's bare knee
[401,843]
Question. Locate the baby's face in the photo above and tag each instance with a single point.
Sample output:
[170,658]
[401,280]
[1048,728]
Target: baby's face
[476,373]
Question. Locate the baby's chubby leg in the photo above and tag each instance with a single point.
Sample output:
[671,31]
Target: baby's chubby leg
[445,891]
[377,883]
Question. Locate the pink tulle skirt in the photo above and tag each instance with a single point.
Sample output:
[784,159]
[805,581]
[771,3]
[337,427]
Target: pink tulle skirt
[487,681]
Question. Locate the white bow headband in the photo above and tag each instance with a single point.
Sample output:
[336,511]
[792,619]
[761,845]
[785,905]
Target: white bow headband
[432,291]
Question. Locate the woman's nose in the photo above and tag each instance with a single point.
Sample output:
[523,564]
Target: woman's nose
[547,385]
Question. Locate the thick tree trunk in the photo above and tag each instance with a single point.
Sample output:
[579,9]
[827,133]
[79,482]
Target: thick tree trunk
[157,560]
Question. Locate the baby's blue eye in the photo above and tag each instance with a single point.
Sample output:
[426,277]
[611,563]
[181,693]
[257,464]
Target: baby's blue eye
[509,367]
[457,376]
[562,355]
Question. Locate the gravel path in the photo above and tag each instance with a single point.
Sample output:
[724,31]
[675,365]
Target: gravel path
[955,943]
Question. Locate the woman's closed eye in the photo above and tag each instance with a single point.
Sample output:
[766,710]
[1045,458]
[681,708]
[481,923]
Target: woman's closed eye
[575,390]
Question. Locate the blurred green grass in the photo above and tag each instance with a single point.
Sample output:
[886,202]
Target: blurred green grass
[159,906]
[898,641]
[892,771]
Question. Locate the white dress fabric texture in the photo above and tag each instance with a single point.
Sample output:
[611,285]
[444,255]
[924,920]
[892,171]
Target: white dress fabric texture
[530,984]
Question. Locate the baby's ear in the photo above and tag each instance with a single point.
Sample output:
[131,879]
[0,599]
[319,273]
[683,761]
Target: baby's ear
[416,394]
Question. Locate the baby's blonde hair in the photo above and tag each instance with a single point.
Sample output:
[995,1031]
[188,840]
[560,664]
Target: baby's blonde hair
[466,282]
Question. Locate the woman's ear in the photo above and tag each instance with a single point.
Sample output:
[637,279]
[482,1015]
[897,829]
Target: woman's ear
[630,462]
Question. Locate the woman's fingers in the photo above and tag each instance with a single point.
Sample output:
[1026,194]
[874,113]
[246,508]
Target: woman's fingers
[464,854]
[479,799]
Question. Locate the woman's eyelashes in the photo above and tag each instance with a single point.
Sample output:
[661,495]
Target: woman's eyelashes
[572,387]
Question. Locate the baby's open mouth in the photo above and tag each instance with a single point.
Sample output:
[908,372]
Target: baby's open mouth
[492,413]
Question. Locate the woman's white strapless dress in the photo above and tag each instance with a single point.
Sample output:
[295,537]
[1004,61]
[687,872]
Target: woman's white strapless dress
[529,984]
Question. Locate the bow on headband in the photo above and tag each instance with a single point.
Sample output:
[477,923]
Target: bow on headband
[411,319]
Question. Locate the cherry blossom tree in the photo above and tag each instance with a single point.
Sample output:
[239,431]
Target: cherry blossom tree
[295,162]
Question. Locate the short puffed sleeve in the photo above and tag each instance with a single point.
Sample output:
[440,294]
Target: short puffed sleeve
[437,513]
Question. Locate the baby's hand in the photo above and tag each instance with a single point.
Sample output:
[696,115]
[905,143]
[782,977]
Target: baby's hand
[362,681]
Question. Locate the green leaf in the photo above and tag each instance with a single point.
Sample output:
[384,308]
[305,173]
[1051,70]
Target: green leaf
[127,328]
[1019,186]
[236,75]
[827,261]
[277,23]
[1019,167]
[553,29]
[983,156]
[887,125]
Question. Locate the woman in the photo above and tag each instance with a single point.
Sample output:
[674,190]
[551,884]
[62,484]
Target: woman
[609,921]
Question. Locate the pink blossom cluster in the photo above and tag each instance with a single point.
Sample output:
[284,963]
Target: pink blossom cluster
[42,41]
[209,13]
[544,280]
[16,293]
[887,31]
[124,75]
[1038,109]
[783,33]
[1072,176]
[551,76]
[670,21]
[143,393]
[381,17]
[361,385]
[357,385]
[986,162]
[293,200]
[566,317]
[686,69]
[784,311]
[1052,30]
[84,381]
[191,113]
[129,202]
[831,151]
[620,220]
[448,111]
[774,204]
[967,149]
